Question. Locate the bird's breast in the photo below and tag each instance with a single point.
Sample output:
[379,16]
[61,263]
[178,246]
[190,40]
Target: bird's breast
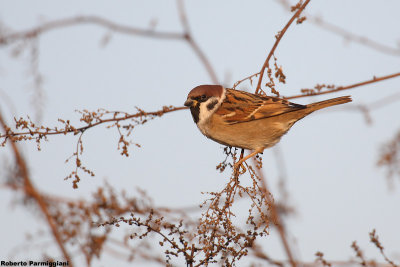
[248,135]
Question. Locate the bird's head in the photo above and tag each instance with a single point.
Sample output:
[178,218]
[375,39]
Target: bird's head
[204,100]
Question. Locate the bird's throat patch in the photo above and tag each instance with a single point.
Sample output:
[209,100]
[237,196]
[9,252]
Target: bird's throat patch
[195,110]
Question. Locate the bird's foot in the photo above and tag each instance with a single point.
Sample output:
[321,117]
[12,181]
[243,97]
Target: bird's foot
[239,167]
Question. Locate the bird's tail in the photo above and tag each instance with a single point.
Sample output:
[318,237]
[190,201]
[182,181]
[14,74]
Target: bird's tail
[329,102]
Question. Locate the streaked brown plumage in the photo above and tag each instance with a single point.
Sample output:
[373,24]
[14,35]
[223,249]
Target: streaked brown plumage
[245,120]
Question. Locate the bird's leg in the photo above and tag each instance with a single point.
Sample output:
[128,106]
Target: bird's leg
[240,162]
[241,165]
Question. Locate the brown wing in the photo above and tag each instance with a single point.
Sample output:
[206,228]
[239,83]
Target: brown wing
[240,106]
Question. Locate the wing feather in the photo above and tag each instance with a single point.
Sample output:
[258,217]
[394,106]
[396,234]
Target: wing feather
[240,106]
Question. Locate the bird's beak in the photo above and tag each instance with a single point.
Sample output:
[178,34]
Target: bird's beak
[189,102]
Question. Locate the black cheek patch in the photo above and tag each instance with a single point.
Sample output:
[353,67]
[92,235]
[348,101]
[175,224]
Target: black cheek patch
[211,105]
[195,110]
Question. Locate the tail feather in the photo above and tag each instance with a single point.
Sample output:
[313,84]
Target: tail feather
[329,102]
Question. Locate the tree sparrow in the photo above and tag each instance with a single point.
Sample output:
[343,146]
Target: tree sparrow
[245,120]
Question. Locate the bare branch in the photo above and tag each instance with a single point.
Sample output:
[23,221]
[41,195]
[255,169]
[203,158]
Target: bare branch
[353,37]
[346,34]
[332,88]
[278,39]
[67,130]
[79,20]
[31,191]
[189,38]
[32,33]
[276,216]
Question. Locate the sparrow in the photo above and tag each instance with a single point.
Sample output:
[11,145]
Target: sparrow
[244,120]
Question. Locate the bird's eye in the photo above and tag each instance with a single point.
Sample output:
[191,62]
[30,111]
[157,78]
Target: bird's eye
[203,97]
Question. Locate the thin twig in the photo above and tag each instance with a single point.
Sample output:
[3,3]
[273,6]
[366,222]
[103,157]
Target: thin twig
[84,128]
[278,39]
[375,240]
[341,88]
